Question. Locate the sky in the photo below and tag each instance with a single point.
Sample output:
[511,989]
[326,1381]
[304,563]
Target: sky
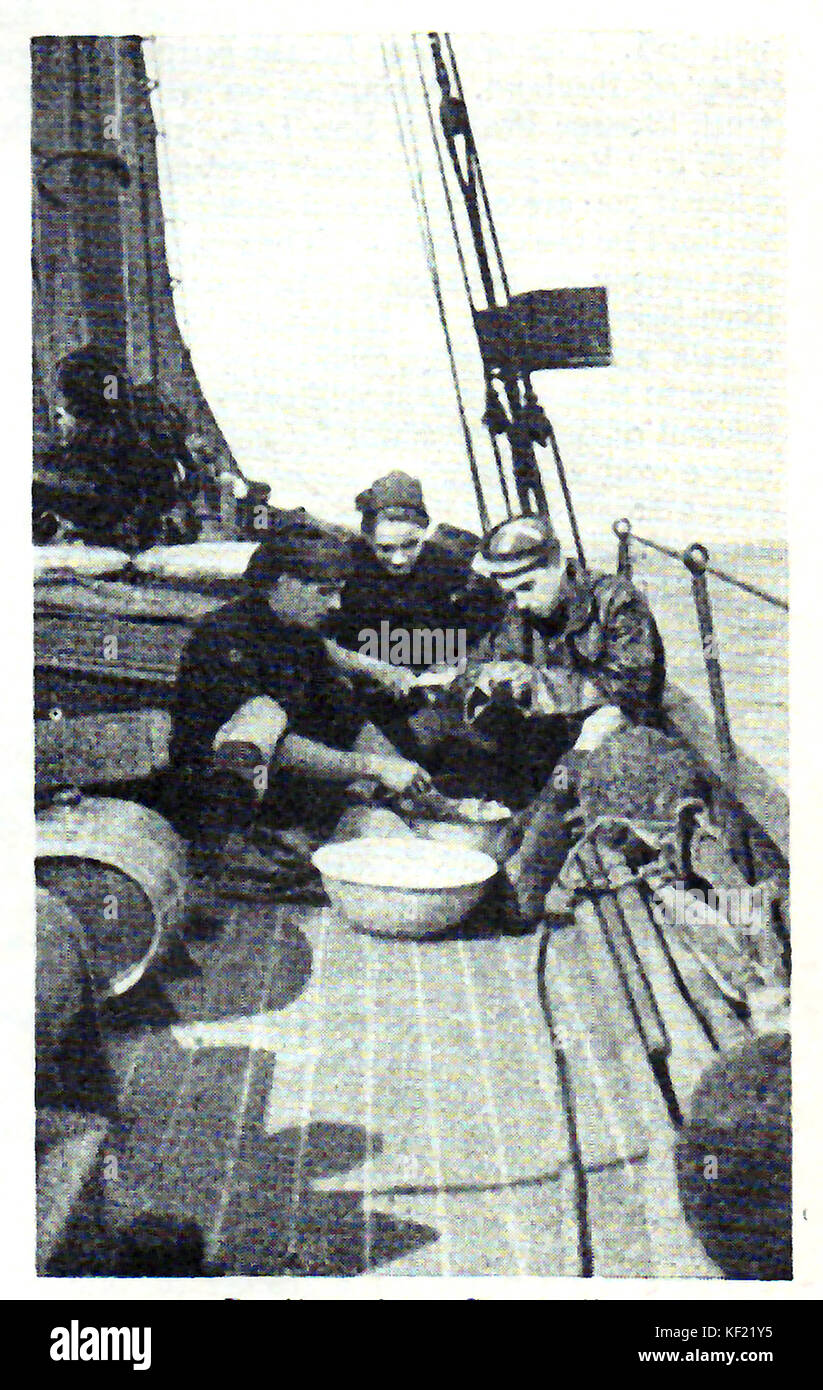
[651,163]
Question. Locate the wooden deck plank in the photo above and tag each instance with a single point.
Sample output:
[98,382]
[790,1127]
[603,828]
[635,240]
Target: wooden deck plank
[184,1098]
[69,1147]
[323,1125]
[383,1016]
[676,1252]
[667,1247]
[418,1050]
[332,1087]
[593,1021]
[527,1099]
[462,1200]
[469,1104]
[393,1106]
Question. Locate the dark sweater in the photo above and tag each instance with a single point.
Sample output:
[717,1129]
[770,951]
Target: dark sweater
[440,593]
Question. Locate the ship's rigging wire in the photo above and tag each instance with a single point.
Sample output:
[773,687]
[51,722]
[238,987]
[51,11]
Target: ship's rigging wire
[444,181]
[498,458]
[494,418]
[479,170]
[564,486]
[411,156]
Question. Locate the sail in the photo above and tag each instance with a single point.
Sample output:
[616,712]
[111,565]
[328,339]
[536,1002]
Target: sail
[99,267]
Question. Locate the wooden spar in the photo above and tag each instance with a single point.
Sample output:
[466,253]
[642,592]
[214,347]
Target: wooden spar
[611,913]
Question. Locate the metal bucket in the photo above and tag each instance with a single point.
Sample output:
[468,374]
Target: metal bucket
[120,868]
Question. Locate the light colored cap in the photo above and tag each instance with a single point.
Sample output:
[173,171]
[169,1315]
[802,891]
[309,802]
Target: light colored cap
[520,544]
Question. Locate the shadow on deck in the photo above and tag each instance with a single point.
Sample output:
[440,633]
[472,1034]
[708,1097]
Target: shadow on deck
[317,1101]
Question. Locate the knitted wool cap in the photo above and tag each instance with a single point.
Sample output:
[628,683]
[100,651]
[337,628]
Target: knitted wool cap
[302,548]
[397,497]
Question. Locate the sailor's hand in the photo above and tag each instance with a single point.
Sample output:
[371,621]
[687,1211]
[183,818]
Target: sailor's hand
[514,679]
[399,775]
[596,729]
[395,680]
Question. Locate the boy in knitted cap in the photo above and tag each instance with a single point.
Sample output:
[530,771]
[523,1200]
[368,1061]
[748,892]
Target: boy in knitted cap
[260,718]
[109,480]
[406,585]
[601,667]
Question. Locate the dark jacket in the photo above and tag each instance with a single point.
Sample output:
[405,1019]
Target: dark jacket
[112,481]
[604,629]
[440,593]
[242,651]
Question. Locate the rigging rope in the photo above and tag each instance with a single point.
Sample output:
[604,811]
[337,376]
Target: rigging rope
[568,1100]
[718,573]
[479,170]
[564,488]
[413,166]
[443,179]
[544,433]
[504,486]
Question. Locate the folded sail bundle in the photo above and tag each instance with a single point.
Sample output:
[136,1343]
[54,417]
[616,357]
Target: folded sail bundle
[204,562]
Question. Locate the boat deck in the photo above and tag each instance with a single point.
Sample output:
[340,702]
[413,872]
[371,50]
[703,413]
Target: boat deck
[324,1101]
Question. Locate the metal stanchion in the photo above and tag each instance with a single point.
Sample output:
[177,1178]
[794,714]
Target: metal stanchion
[623,530]
[696,560]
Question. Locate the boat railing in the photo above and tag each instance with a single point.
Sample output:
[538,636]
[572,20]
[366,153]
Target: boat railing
[696,553]
[695,558]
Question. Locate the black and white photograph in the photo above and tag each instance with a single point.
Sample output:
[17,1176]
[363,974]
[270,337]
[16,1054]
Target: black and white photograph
[409,516]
